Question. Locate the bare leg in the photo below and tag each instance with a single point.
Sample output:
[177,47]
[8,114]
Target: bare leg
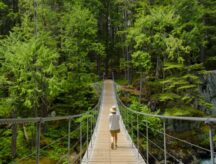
[116,139]
[112,141]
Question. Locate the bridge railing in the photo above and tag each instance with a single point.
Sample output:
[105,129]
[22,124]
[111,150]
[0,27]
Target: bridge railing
[80,128]
[141,128]
[72,133]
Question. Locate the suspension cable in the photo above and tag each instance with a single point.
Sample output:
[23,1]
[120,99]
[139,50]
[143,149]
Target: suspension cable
[75,144]
[52,143]
[184,141]
[161,148]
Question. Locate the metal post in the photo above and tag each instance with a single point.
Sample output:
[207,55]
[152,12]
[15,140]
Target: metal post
[211,144]
[95,121]
[91,128]
[131,120]
[87,137]
[80,141]
[147,144]
[164,130]
[69,128]
[123,115]
[38,142]
[126,117]
[113,76]
[103,76]
[137,136]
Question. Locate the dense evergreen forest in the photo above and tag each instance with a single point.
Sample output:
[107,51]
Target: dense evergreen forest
[53,52]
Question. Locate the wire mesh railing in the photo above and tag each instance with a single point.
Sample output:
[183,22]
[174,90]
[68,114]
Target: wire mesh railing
[165,139]
[84,123]
[92,141]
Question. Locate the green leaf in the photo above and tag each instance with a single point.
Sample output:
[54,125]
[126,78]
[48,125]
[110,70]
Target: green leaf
[169,66]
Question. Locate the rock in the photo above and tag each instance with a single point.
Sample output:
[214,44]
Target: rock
[195,160]
[208,89]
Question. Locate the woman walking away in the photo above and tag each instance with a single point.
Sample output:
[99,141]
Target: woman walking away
[114,127]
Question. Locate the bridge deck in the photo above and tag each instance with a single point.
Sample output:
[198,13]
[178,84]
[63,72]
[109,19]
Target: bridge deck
[101,151]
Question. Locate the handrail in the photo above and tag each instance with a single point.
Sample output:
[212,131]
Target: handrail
[92,139]
[42,148]
[40,119]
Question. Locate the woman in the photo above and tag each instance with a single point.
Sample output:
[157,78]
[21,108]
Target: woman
[114,126]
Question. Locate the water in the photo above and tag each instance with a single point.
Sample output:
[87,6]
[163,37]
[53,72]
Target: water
[206,161]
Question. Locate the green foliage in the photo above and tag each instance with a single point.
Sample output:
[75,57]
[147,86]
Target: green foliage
[141,60]
[79,38]
[2,6]
[30,69]
[47,70]
[168,96]
[167,41]
[5,106]
[5,149]
[170,66]
[51,69]
[153,122]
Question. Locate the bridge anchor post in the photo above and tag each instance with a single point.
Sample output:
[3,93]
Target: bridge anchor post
[69,127]
[38,141]
[87,130]
[137,136]
[147,144]
[165,148]
[80,141]
[210,125]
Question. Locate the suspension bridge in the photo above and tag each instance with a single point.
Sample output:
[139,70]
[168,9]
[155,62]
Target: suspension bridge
[94,137]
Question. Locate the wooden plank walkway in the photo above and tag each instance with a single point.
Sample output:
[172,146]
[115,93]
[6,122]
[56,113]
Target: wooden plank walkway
[101,152]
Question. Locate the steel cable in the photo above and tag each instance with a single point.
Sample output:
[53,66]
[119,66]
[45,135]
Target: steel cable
[52,143]
[161,148]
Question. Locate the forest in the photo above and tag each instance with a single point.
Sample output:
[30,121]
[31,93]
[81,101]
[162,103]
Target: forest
[54,55]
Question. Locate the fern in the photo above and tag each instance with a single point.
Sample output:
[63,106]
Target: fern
[186,87]
[169,66]
[167,96]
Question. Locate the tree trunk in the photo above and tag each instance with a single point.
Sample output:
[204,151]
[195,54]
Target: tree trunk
[25,133]
[124,49]
[151,1]
[157,71]
[127,23]
[140,96]
[108,37]
[98,65]
[202,54]
[44,112]
[129,70]
[44,107]
[15,5]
